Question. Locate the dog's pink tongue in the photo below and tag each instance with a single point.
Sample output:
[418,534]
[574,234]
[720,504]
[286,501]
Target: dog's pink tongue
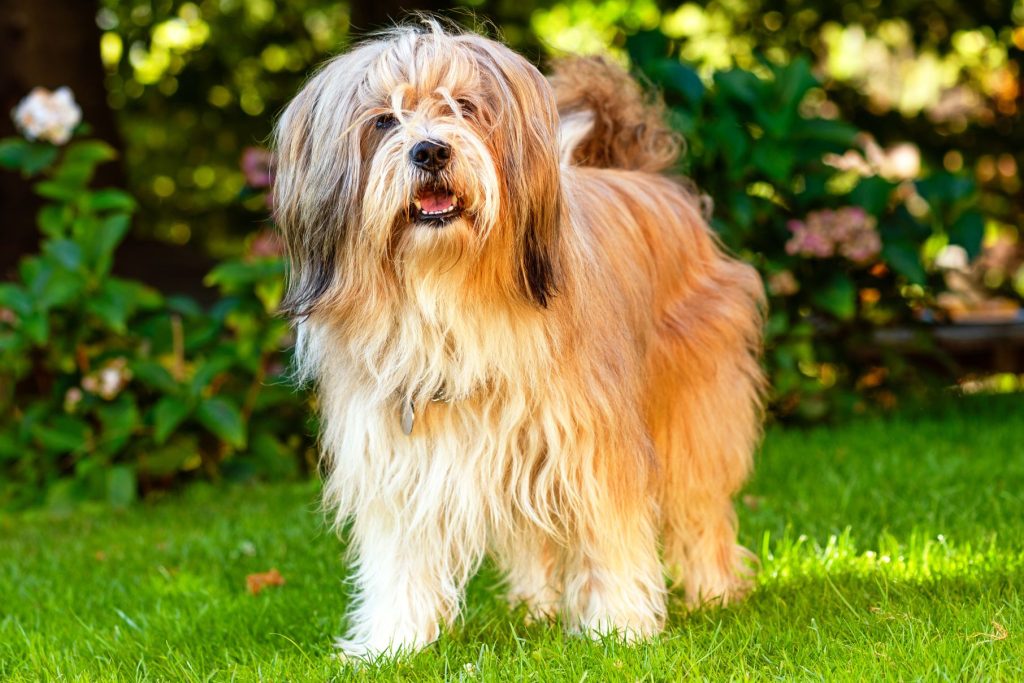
[433,202]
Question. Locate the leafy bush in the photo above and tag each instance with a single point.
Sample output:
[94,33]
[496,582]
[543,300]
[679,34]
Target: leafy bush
[107,387]
[843,251]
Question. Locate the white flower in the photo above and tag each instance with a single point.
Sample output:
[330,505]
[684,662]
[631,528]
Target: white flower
[49,116]
[952,257]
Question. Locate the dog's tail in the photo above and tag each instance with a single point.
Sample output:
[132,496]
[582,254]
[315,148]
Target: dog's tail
[608,121]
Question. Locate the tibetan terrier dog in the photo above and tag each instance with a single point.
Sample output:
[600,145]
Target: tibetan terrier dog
[526,340]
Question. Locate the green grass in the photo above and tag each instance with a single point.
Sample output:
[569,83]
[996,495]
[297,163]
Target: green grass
[891,549]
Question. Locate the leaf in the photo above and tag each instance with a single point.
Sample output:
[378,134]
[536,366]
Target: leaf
[36,327]
[184,305]
[942,190]
[110,199]
[61,192]
[14,297]
[75,175]
[257,582]
[270,293]
[838,297]
[274,459]
[213,366]
[170,458]
[739,85]
[793,81]
[38,155]
[11,447]
[12,153]
[104,240]
[17,154]
[905,258]
[63,433]
[168,414]
[775,161]
[122,486]
[675,76]
[153,375]
[66,252]
[727,135]
[231,274]
[111,306]
[119,420]
[872,194]
[52,219]
[223,419]
[89,152]
[646,46]
[968,231]
[837,133]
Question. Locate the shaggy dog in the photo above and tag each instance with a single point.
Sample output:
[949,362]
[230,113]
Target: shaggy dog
[526,340]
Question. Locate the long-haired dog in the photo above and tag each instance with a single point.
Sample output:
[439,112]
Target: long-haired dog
[526,340]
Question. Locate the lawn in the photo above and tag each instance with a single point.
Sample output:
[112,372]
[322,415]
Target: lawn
[891,549]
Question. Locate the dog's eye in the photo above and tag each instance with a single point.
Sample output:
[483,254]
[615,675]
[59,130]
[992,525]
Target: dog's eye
[384,121]
[466,107]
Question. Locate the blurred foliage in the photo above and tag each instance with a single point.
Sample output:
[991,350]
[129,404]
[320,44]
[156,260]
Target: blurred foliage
[196,81]
[941,75]
[844,251]
[107,387]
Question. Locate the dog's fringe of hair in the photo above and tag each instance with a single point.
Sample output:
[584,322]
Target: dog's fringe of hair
[609,120]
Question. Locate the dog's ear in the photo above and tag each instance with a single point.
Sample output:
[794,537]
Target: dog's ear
[317,160]
[531,172]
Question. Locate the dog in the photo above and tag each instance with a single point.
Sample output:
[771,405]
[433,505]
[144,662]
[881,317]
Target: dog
[526,340]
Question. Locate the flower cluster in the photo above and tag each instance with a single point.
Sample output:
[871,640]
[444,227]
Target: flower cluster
[108,381]
[257,166]
[849,232]
[48,116]
[896,163]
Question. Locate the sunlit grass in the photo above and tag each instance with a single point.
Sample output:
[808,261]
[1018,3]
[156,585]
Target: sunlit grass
[890,549]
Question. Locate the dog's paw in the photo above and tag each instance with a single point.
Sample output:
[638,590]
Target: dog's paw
[626,628]
[720,586]
[540,608]
[366,647]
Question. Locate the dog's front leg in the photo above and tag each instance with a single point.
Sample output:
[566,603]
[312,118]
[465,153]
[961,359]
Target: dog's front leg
[409,575]
[614,582]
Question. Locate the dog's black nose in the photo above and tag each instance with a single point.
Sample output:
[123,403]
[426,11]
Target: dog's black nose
[430,155]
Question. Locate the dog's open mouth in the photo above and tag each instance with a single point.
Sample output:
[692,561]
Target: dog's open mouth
[436,205]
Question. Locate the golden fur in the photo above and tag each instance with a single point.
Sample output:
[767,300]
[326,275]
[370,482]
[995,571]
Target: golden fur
[580,353]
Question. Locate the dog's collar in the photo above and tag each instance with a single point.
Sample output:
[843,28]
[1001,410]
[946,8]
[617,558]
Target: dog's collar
[407,410]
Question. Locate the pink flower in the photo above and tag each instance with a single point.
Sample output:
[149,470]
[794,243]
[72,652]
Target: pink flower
[257,165]
[848,231]
[265,244]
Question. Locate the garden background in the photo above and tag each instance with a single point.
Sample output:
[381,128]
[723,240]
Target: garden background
[863,155]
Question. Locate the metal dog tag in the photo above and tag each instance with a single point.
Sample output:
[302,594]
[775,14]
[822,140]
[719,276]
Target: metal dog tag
[408,417]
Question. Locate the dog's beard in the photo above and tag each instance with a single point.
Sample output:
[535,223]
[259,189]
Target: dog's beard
[407,209]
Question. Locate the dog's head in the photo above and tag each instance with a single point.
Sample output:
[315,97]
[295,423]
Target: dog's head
[421,144]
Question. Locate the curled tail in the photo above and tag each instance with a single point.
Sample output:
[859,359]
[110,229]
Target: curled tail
[608,121]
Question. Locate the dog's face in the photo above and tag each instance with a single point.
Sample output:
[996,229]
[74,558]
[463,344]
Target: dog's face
[419,146]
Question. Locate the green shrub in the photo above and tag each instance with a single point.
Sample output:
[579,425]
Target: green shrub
[842,252]
[107,387]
